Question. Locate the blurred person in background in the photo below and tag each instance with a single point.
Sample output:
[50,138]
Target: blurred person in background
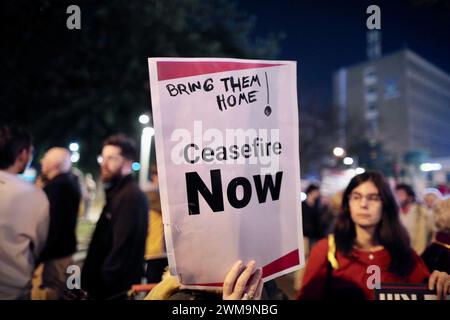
[333,211]
[430,197]
[63,192]
[90,192]
[415,217]
[24,216]
[311,214]
[115,259]
[315,225]
[437,255]
[155,250]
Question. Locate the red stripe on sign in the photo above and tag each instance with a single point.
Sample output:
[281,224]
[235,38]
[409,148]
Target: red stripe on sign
[218,284]
[289,260]
[179,69]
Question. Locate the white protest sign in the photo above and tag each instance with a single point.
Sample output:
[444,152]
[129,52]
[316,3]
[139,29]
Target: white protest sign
[227,146]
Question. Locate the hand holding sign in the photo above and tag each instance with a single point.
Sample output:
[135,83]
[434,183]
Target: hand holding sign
[441,282]
[241,284]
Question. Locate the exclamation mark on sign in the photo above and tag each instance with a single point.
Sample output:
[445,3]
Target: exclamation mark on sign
[267,109]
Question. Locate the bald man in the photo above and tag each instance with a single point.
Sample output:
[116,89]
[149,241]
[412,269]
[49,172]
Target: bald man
[55,161]
[63,191]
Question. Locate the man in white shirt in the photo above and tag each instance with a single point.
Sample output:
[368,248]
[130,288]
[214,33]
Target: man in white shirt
[24,216]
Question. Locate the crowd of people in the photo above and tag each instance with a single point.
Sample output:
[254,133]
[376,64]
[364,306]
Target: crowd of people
[368,223]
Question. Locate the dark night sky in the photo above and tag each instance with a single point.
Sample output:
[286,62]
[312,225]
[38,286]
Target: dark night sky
[326,35]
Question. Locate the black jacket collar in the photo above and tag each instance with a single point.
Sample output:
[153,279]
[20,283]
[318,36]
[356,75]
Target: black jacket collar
[116,184]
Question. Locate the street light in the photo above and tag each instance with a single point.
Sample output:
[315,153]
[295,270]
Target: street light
[75,157]
[146,145]
[338,151]
[74,147]
[302,196]
[136,166]
[348,161]
[144,119]
[427,167]
[359,170]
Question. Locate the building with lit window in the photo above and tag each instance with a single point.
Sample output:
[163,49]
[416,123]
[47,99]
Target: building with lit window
[400,100]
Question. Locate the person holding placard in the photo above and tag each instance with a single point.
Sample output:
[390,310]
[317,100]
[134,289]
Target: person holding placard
[242,282]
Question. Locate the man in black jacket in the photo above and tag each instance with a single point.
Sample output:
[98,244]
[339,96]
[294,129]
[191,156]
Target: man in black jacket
[311,217]
[115,258]
[63,192]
